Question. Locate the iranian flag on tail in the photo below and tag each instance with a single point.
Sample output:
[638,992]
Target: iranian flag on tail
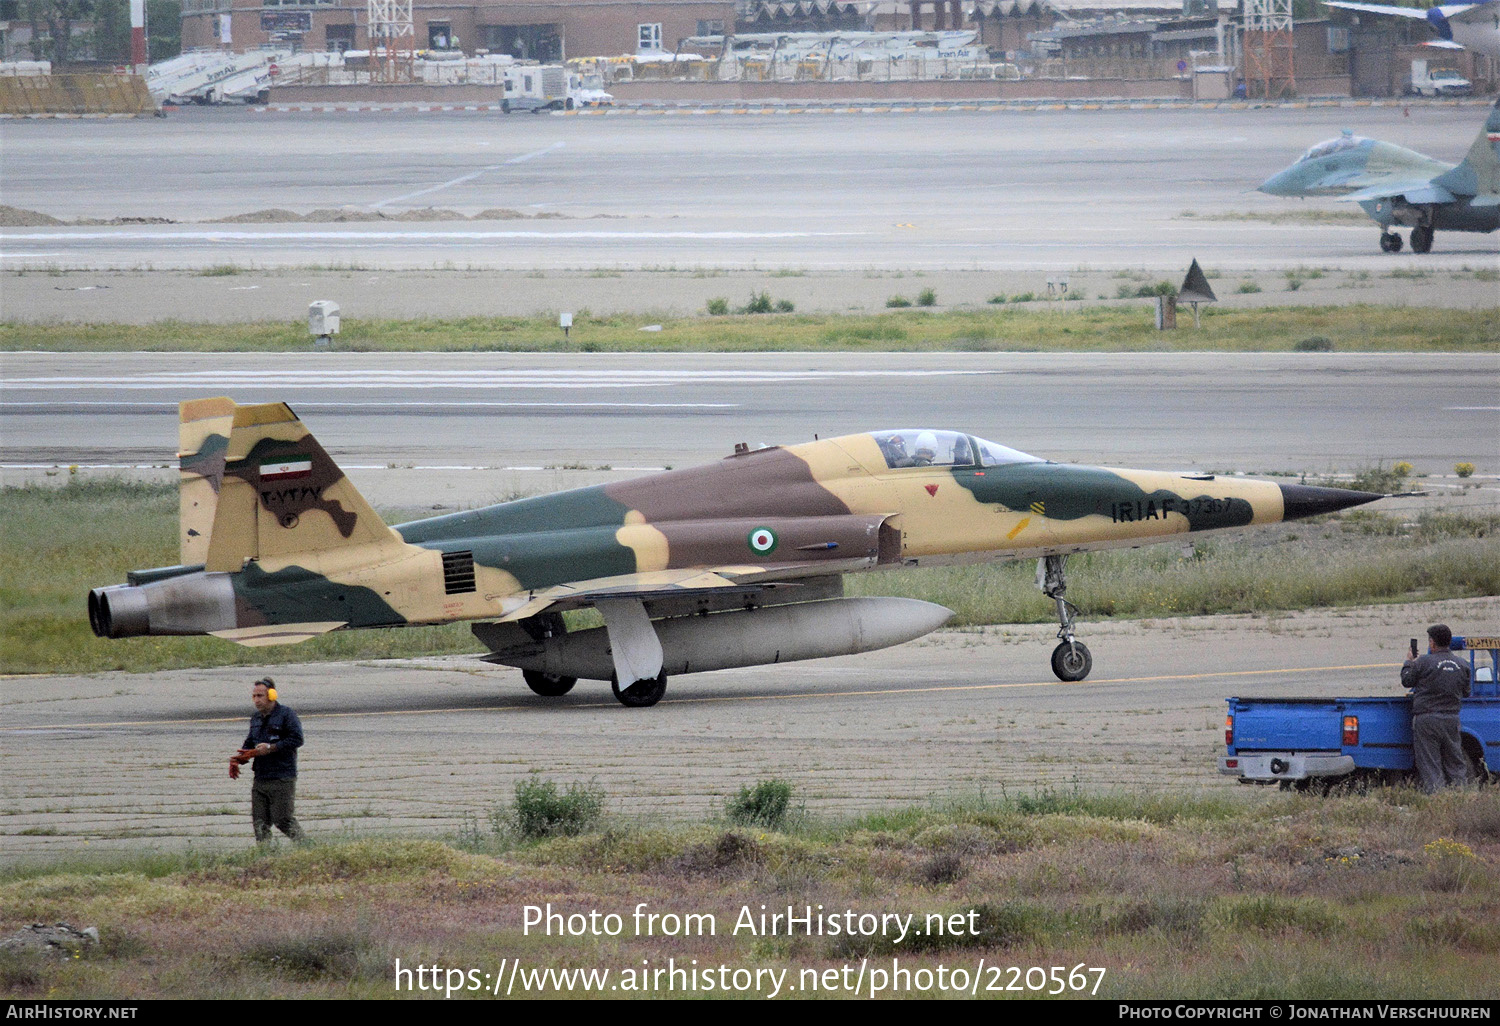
[285,470]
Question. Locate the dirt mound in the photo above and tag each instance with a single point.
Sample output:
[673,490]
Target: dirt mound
[15,217]
[506,214]
[332,215]
[428,214]
[273,215]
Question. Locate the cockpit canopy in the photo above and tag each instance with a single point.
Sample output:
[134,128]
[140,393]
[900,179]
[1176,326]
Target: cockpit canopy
[1329,147]
[924,447]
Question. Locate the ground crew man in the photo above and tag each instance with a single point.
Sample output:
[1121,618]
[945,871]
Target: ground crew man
[274,737]
[1439,682]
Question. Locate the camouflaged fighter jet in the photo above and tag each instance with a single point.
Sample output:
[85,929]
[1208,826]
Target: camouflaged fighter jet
[738,563]
[1397,186]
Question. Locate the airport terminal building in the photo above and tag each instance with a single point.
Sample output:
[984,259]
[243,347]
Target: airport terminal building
[1080,47]
[561,29]
[545,32]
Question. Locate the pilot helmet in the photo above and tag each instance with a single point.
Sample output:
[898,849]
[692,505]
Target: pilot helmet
[926,446]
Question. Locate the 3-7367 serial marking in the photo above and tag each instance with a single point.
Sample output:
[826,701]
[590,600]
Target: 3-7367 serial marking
[1040,980]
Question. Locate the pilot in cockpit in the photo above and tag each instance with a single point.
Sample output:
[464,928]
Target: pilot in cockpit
[925,454]
[894,449]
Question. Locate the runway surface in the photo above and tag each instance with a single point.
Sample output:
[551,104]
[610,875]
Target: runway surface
[1008,190]
[469,427]
[123,761]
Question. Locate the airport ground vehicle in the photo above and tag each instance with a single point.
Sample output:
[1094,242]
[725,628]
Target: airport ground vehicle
[1427,81]
[1323,743]
[539,87]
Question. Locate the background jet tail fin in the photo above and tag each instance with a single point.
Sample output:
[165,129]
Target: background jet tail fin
[1479,174]
[283,497]
[202,440]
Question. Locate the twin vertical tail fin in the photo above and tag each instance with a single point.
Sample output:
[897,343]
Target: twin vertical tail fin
[203,439]
[1479,174]
[255,484]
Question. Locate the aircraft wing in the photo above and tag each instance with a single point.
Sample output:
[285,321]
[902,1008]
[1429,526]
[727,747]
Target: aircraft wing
[1478,11]
[1421,191]
[1415,13]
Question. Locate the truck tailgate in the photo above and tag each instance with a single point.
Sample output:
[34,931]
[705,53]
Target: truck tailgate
[1292,724]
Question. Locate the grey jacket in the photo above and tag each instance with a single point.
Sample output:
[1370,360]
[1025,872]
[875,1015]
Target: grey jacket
[1439,681]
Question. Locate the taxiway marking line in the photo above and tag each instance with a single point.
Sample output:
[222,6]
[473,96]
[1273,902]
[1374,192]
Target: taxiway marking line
[704,701]
[466,178]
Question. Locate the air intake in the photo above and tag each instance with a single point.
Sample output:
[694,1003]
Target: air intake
[458,572]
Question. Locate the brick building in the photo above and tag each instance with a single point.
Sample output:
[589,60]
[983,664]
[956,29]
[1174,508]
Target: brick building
[530,30]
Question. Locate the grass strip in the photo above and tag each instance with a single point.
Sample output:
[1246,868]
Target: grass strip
[60,542]
[1032,328]
[1230,895]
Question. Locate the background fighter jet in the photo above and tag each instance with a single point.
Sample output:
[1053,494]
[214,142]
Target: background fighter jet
[1473,26]
[738,563]
[1397,186]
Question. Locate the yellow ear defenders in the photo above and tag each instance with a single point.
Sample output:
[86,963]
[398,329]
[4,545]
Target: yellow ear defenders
[270,687]
[271,694]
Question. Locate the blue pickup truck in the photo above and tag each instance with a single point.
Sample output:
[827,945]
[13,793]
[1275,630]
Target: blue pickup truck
[1319,744]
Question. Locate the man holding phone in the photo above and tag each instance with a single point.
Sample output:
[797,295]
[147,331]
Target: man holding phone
[1439,682]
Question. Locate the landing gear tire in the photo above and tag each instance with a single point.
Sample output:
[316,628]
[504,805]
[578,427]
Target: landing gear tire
[1071,661]
[1479,773]
[1390,242]
[548,685]
[641,694]
[1421,240]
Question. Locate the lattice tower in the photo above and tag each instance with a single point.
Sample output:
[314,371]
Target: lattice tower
[393,39]
[1269,49]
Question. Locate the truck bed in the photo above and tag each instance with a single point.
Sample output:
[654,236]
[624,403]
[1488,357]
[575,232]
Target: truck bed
[1308,735]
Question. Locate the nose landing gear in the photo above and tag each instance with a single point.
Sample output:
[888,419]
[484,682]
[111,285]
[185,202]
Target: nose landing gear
[1071,660]
[1390,242]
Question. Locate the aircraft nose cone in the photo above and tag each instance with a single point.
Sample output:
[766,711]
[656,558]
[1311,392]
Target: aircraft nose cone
[1300,501]
[1282,183]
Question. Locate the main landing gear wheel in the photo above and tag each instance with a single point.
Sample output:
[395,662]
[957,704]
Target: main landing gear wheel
[1478,772]
[1421,240]
[1390,242]
[548,685]
[642,693]
[1071,660]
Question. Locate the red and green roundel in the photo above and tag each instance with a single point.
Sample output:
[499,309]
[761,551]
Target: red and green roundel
[762,541]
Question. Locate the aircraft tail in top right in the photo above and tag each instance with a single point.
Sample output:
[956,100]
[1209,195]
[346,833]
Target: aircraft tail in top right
[1474,26]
